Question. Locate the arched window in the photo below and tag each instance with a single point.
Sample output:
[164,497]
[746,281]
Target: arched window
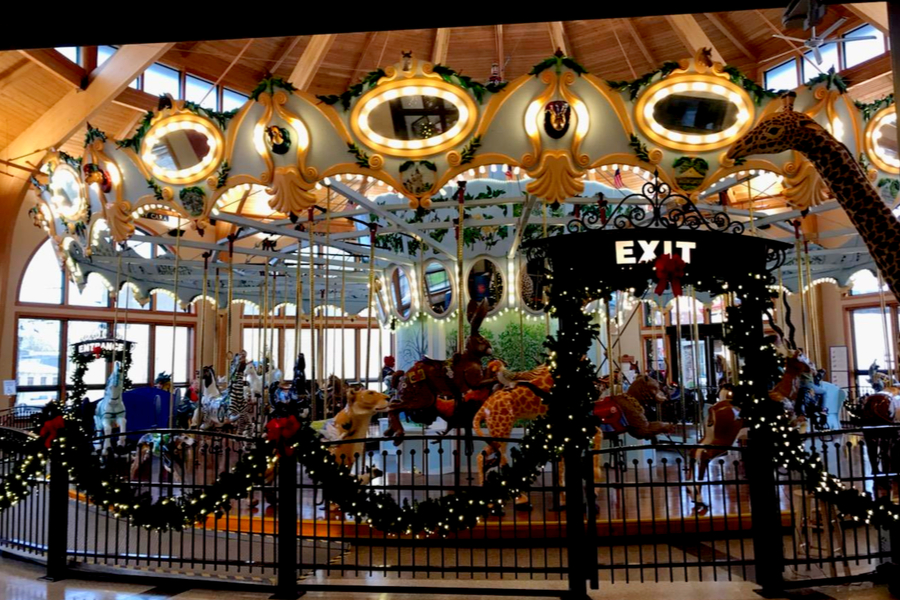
[43,279]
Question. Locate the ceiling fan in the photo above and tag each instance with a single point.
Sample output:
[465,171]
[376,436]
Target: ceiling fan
[816,41]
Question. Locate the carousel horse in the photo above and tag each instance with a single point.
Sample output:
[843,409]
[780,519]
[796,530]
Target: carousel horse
[723,426]
[212,410]
[797,367]
[111,409]
[880,408]
[452,389]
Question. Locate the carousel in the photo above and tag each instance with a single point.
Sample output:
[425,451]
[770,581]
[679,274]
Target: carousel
[496,245]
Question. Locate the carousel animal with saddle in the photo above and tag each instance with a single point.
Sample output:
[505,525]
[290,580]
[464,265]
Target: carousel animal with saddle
[452,389]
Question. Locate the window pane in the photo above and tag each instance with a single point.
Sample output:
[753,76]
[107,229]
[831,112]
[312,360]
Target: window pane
[863,282]
[829,60]
[139,373]
[165,349]
[163,302]
[103,54]
[94,294]
[868,338]
[35,398]
[70,52]
[78,332]
[127,301]
[250,310]
[38,352]
[782,77]
[376,358]
[347,349]
[861,51]
[254,343]
[232,100]
[159,80]
[43,279]
[196,89]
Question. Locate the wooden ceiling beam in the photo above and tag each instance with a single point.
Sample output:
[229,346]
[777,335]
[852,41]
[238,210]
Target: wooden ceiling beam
[310,61]
[11,74]
[724,30]
[867,71]
[692,35]
[137,100]
[59,66]
[638,40]
[558,37]
[501,59]
[441,46]
[873,13]
[367,45]
[57,125]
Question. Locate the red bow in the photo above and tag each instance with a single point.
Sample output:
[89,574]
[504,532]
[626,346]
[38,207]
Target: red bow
[669,269]
[97,350]
[282,432]
[51,429]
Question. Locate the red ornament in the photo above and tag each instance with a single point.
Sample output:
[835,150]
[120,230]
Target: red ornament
[51,429]
[669,269]
[281,432]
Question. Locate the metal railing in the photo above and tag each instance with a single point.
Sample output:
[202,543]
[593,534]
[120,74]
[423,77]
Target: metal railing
[645,513]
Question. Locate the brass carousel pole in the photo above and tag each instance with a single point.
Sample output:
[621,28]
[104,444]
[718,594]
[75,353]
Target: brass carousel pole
[312,320]
[695,335]
[201,307]
[884,329]
[460,233]
[372,231]
[175,318]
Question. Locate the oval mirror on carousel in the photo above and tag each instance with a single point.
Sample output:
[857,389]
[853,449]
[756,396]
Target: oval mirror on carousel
[437,288]
[182,149]
[400,293]
[413,118]
[485,281]
[532,284]
[694,112]
[67,193]
[881,140]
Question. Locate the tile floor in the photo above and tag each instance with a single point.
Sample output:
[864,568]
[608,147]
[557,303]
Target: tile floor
[20,581]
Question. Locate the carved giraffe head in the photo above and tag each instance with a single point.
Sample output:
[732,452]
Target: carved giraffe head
[780,131]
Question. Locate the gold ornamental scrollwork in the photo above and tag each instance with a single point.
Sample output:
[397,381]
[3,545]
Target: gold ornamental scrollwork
[556,178]
[290,192]
[805,187]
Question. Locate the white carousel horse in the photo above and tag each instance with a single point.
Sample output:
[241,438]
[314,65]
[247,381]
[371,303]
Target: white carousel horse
[213,409]
[111,409]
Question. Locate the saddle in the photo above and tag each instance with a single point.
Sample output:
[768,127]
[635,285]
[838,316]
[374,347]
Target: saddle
[612,419]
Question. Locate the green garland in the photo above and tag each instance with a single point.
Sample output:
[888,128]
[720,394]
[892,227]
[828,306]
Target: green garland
[831,79]
[77,390]
[70,160]
[469,150]
[467,83]
[639,148]
[634,87]
[758,92]
[868,109]
[222,174]
[369,81]
[558,61]
[362,159]
[221,118]
[893,185]
[269,84]
[92,135]
[134,142]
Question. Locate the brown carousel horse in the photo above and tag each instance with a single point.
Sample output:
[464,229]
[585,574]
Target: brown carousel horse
[880,408]
[723,425]
[452,389]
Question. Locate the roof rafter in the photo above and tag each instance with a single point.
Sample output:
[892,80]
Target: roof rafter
[441,45]
[692,35]
[636,36]
[874,13]
[311,60]
[558,36]
[59,66]
[723,28]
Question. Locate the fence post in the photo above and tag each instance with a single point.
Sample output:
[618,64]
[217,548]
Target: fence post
[765,515]
[57,520]
[576,537]
[892,569]
[287,529]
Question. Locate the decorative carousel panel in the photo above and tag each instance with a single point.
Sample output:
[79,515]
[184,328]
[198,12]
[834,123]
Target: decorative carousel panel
[694,112]
[182,149]
[437,288]
[67,194]
[485,282]
[881,140]
[401,295]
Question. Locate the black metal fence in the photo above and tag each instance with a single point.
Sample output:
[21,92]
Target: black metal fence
[649,515]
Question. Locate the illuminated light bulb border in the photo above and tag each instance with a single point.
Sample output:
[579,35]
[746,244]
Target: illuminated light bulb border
[715,85]
[184,121]
[468,116]
[871,136]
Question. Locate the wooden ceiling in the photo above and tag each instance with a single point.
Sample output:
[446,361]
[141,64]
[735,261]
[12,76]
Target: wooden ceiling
[33,81]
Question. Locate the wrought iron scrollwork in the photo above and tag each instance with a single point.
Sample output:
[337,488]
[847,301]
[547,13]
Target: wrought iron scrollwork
[655,207]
